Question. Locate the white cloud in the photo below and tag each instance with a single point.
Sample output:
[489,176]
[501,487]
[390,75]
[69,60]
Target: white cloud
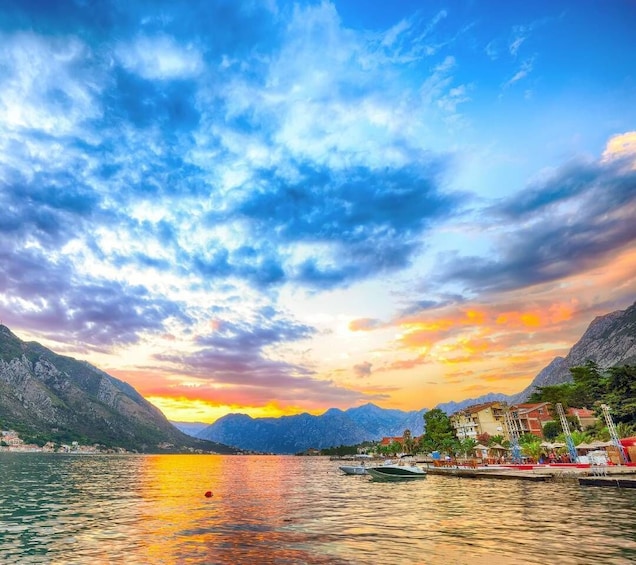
[47,84]
[160,58]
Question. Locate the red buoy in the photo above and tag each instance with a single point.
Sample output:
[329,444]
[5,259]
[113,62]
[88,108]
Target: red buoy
[208,494]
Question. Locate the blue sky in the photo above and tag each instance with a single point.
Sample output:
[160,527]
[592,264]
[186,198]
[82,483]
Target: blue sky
[274,207]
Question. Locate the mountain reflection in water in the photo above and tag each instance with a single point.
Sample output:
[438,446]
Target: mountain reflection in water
[294,510]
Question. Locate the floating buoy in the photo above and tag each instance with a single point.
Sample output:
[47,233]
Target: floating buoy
[208,494]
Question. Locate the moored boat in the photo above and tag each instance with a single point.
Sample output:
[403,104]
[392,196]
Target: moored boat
[396,472]
[353,469]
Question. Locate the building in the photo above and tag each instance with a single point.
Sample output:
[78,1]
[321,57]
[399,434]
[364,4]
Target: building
[479,419]
[529,418]
[584,417]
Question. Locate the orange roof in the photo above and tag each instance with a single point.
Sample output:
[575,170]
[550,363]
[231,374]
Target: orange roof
[581,412]
[476,408]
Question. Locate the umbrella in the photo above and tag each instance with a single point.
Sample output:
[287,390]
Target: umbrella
[479,446]
[499,447]
[584,445]
[598,443]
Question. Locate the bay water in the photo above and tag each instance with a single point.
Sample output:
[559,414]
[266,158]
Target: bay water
[146,509]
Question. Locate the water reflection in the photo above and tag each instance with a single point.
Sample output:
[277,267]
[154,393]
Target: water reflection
[152,509]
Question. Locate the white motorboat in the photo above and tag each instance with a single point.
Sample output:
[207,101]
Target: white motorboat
[353,469]
[356,468]
[396,472]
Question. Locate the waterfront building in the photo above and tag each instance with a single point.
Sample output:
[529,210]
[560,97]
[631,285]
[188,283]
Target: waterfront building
[473,421]
[529,418]
[584,417]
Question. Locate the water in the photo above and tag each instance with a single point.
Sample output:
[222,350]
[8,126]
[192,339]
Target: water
[294,510]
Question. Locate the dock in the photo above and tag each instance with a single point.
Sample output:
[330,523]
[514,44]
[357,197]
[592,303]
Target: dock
[585,475]
[616,481]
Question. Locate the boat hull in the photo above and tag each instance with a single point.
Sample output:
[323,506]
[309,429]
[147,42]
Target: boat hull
[396,473]
[353,469]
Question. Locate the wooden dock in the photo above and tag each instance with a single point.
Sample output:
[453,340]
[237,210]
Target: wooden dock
[489,474]
[618,477]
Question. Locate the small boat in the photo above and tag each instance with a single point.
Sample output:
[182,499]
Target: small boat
[353,469]
[356,468]
[396,472]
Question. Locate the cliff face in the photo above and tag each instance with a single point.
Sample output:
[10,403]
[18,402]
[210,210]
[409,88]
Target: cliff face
[609,340]
[48,394]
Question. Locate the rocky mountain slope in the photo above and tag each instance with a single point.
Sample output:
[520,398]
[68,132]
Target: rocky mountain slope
[50,396]
[609,340]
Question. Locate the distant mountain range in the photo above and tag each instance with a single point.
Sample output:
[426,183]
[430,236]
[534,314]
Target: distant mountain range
[291,434]
[48,395]
[58,398]
[609,340]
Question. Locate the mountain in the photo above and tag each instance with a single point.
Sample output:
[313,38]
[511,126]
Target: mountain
[61,398]
[190,428]
[608,341]
[48,396]
[292,434]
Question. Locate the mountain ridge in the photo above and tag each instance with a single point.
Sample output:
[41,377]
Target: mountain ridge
[46,395]
[50,394]
[608,340]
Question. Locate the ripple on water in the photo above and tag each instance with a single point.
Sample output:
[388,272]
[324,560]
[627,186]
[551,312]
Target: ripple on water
[152,509]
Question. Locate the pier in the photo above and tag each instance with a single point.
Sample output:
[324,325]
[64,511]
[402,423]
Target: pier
[618,476]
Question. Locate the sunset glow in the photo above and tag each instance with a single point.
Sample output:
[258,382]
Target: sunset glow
[273,208]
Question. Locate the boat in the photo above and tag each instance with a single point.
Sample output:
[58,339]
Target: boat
[396,472]
[353,469]
[357,468]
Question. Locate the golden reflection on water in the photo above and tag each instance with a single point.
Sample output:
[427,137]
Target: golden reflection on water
[294,510]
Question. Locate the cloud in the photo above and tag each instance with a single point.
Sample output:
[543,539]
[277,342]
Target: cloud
[367,222]
[233,365]
[565,224]
[160,58]
[362,369]
[525,69]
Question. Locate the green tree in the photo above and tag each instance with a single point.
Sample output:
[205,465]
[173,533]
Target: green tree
[467,446]
[590,385]
[554,394]
[497,439]
[532,449]
[551,430]
[621,384]
[439,432]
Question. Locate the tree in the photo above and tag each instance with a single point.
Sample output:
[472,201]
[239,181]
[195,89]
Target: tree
[551,430]
[590,385]
[621,384]
[532,449]
[554,394]
[497,439]
[467,446]
[484,438]
[439,432]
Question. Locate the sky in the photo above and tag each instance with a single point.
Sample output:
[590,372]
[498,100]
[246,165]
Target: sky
[270,207]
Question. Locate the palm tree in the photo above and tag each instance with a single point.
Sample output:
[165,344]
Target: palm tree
[467,446]
[532,449]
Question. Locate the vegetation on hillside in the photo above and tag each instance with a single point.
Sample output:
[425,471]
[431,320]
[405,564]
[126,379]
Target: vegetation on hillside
[591,387]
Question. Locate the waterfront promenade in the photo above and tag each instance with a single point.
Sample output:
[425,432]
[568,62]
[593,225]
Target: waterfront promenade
[622,476]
